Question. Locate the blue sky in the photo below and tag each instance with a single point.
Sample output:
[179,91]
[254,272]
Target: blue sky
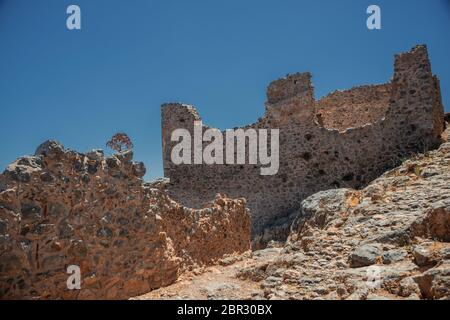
[80,87]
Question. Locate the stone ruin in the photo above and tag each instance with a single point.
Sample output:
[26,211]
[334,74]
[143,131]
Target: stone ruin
[61,208]
[343,140]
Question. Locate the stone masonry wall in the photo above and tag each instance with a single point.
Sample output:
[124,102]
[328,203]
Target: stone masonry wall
[61,208]
[386,124]
[353,108]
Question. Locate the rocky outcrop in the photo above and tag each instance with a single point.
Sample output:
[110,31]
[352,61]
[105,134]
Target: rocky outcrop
[389,240]
[61,208]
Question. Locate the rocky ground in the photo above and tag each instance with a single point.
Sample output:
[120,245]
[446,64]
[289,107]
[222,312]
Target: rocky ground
[390,240]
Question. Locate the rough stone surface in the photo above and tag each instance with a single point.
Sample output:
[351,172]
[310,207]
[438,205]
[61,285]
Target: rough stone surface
[393,256]
[396,230]
[390,239]
[365,255]
[61,208]
[344,140]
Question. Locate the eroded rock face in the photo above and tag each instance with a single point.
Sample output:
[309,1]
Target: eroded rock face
[61,208]
[389,240]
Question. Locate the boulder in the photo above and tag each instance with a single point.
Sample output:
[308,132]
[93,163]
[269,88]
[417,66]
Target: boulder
[364,255]
[394,255]
[50,148]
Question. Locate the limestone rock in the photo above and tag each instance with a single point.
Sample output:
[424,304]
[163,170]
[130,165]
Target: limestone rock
[365,255]
[49,148]
[394,255]
[435,283]
[385,241]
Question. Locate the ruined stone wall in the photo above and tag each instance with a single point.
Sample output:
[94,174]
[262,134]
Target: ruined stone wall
[407,118]
[61,208]
[353,108]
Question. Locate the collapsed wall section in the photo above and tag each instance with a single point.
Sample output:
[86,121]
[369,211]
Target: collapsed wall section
[61,208]
[353,108]
[405,115]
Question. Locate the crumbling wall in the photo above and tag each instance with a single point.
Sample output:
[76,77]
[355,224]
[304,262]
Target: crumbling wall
[353,108]
[317,154]
[61,208]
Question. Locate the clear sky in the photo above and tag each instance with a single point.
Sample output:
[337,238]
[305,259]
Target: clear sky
[81,87]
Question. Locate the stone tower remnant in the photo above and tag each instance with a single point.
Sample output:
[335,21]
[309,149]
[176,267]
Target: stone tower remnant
[345,139]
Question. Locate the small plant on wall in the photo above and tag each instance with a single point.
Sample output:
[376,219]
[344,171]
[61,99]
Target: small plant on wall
[120,142]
